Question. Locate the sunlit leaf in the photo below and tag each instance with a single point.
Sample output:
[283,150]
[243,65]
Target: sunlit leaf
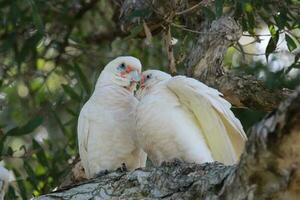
[41,156]
[31,174]
[272,44]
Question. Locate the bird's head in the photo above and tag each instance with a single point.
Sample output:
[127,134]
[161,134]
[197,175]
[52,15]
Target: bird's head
[149,79]
[124,71]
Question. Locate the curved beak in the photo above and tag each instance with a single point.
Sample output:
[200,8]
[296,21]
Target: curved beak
[134,75]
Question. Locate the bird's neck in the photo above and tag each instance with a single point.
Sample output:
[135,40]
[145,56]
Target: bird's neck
[110,92]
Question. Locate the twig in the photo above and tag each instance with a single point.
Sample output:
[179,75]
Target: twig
[189,9]
[258,35]
[254,41]
[190,30]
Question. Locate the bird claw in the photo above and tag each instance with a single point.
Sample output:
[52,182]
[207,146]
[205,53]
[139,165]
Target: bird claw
[123,168]
[175,161]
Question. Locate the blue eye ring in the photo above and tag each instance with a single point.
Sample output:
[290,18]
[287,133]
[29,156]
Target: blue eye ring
[122,66]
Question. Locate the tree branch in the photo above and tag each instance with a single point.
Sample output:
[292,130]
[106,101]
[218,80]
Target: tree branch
[247,91]
[269,169]
[270,166]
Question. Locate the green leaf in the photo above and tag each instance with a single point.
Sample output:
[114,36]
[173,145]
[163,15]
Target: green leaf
[29,46]
[9,151]
[71,112]
[71,93]
[41,156]
[31,175]
[279,21]
[139,13]
[2,140]
[272,43]
[135,31]
[251,22]
[60,124]
[272,30]
[26,129]
[219,7]
[83,79]
[21,184]
[10,194]
[290,42]
[36,16]
[208,13]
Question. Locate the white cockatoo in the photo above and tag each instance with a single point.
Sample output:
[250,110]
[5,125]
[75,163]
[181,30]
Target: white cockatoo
[106,124]
[182,118]
[4,181]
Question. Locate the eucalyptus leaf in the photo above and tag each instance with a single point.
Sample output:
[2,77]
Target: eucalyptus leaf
[27,128]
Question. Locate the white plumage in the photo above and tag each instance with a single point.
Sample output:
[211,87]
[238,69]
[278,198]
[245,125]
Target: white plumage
[106,125]
[4,180]
[183,118]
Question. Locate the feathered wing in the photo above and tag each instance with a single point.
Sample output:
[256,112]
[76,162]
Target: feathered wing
[223,132]
[83,135]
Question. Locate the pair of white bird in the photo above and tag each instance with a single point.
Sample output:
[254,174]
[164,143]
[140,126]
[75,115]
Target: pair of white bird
[170,117]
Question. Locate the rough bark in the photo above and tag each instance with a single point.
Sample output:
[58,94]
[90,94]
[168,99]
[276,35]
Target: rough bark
[204,60]
[247,91]
[269,169]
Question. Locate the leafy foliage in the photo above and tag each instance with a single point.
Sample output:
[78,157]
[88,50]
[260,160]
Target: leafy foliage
[51,53]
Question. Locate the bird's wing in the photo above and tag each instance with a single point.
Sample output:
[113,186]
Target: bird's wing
[223,132]
[83,135]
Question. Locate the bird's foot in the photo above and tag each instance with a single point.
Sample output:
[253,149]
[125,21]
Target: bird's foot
[175,161]
[123,168]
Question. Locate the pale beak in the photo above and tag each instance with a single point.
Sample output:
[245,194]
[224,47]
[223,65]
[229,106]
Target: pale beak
[134,76]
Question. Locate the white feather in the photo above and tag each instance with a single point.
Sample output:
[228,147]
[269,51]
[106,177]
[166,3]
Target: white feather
[183,118]
[106,128]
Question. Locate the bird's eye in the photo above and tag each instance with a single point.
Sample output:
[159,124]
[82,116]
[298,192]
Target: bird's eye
[122,66]
[148,76]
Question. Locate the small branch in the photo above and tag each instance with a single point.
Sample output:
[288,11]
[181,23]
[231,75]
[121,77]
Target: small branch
[261,35]
[191,8]
[191,30]
[247,91]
